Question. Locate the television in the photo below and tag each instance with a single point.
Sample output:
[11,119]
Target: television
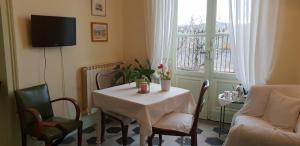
[53,31]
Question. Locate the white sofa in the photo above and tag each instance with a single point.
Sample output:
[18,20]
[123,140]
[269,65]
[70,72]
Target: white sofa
[250,128]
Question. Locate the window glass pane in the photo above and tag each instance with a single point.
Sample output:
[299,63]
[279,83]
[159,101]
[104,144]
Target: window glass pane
[191,35]
[222,56]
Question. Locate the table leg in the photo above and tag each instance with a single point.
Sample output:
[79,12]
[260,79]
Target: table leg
[220,121]
[223,122]
[142,139]
[98,127]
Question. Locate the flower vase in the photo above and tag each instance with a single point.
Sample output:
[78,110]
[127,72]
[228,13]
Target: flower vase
[138,81]
[165,85]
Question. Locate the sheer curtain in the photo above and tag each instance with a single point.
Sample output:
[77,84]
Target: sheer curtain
[252,31]
[159,20]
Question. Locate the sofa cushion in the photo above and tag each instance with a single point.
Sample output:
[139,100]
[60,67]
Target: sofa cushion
[282,111]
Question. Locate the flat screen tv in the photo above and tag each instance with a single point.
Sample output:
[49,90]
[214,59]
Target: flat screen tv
[52,31]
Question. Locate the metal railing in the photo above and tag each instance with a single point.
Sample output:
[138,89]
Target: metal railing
[222,54]
[191,52]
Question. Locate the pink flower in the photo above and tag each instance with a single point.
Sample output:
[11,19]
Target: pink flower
[160,66]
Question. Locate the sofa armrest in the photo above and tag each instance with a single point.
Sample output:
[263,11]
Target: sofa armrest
[297,128]
[252,136]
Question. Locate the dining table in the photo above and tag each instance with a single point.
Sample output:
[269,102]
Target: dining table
[146,109]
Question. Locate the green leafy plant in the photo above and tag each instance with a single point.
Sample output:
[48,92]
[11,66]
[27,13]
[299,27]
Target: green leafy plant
[143,71]
[126,73]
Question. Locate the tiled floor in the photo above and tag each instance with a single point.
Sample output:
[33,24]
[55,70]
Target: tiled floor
[207,136]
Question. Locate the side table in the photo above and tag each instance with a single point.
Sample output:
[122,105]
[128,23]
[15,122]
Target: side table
[223,103]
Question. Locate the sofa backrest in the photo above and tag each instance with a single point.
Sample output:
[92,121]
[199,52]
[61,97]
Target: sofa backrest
[259,95]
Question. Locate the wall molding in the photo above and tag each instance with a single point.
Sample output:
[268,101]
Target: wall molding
[9,43]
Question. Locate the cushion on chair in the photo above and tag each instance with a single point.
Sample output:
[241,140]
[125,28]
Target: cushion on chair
[176,121]
[67,124]
[52,133]
[48,133]
[282,111]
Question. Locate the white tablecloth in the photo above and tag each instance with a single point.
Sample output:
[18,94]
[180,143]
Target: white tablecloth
[145,108]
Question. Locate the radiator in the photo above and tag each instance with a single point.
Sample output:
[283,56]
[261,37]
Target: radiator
[88,76]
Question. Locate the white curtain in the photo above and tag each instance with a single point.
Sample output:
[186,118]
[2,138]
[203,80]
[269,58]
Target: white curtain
[159,21]
[252,35]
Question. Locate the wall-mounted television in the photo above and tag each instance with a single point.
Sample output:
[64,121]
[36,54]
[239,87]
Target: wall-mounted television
[53,31]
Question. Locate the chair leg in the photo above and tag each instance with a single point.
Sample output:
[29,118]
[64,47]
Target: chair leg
[79,135]
[194,139]
[150,139]
[160,139]
[124,133]
[102,126]
[24,140]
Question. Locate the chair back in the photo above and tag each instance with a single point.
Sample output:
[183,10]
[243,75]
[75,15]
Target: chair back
[107,79]
[200,104]
[36,97]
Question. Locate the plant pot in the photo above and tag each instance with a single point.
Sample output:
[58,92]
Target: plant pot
[165,85]
[138,81]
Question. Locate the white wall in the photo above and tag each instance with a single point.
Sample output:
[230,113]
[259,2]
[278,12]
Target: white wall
[287,65]
[134,30]
[30,60]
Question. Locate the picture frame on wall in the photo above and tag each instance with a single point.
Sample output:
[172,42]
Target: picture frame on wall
[99,32]
[99,8]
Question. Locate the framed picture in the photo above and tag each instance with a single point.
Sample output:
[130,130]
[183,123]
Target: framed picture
[99,32]
[99,7]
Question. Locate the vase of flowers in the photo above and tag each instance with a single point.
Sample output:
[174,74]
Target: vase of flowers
[165,77]
[143,73]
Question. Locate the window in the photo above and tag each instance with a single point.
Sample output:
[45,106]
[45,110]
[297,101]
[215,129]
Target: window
[203,44]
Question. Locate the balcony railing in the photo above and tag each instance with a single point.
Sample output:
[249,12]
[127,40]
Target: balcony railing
[191,52]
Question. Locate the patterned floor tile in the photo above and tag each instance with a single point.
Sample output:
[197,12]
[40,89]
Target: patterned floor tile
[136,130]
[199,131]
[214,141]
[89,130]
[206,136]
[113,129]
[129,141]
[186,141]
[68,140]
[91,141]
[223,131]
[155,141]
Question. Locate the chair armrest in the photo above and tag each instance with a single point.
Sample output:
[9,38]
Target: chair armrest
[73,102]
[38,119]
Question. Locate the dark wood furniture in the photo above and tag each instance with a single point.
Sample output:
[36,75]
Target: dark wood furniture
[193,130]
[106,80]
[37,119]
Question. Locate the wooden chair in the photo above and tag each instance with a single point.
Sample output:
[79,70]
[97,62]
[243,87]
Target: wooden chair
[180,124]
[37,119]
[105,80]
